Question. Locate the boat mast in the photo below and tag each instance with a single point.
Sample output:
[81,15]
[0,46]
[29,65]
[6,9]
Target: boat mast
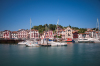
[98,24]
[30,28]
[46,32]
[98,28]
[57,30]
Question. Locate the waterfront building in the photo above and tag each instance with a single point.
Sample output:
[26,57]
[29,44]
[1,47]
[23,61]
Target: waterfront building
[48,34]
[55,34]
[7,34]
[81,35]
[97,34]
[75,35]
[92,34]
[41,36]
[59,31]
[63,34]
[68,33]
[1,34]
[87,35]
[84,35]
[14,35]
[22,34]
[34,34]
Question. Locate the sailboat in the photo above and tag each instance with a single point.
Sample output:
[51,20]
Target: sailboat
[57,43]
[97,39]
[31,43]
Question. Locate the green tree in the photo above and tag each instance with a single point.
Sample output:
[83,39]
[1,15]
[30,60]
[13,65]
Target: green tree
[95,29]
[82,30]
[59,36]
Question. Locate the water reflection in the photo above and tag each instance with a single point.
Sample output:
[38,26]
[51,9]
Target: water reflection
[71,55]
[69,43]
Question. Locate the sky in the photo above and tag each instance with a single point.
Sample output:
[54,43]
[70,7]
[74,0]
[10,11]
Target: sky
[16,14]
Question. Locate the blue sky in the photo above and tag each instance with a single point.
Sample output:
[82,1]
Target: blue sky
[16,14]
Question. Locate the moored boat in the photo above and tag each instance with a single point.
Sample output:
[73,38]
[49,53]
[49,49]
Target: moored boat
[85,40]
[57,43]
[32,44]
[23,42]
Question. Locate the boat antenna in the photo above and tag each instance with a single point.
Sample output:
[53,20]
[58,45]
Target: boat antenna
[57,29]
[98,24]
[98,28]
[30,28]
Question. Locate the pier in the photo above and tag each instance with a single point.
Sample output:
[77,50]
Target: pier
[45,45]
[10,41]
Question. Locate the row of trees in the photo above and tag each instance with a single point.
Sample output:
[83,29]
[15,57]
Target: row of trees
[45,27]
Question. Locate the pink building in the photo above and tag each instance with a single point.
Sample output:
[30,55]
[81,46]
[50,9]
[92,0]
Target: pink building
[6,34]
[22,34]
[48,34]
[34,33]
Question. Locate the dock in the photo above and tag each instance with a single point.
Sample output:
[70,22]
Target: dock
[10,41]
[45,45]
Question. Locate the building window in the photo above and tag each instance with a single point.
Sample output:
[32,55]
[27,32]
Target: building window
[68,30]
[69,34]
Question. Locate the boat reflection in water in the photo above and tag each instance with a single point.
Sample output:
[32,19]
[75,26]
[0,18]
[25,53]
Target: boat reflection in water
[69,43]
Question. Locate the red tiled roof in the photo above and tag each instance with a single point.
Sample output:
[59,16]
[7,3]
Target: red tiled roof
[14,31]
[74,32]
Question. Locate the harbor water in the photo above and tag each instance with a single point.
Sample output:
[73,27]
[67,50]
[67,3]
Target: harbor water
[77,54]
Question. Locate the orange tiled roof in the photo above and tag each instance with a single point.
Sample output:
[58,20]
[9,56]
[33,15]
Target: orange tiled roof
[83,33]
[14,31]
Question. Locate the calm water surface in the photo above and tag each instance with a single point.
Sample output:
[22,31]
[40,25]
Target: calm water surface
[87,54]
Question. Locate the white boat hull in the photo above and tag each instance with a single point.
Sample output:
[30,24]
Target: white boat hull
[32,45]
[57,43]
[22,43]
